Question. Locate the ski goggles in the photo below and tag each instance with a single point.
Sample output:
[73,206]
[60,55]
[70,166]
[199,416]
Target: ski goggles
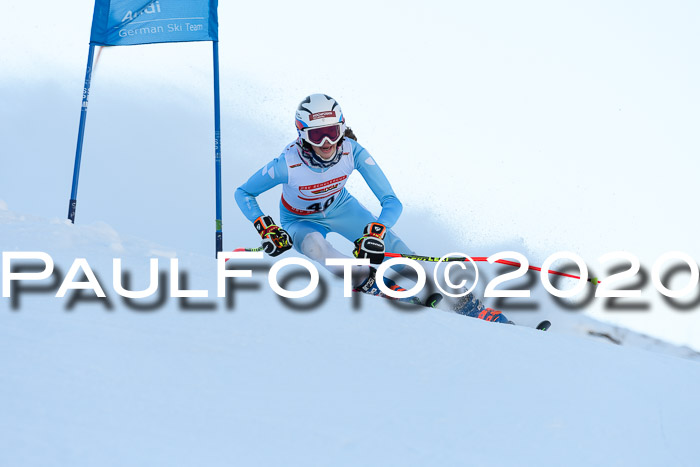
[316,136]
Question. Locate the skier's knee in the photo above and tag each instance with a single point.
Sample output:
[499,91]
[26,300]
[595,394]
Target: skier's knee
[314,246]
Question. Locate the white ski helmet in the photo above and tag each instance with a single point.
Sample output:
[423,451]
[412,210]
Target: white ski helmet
[319,119]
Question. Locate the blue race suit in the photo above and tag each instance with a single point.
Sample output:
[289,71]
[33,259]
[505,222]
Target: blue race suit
[328,207]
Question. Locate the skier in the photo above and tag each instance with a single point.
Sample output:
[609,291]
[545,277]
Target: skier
[313,171]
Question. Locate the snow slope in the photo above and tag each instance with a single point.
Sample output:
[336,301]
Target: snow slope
[259,383]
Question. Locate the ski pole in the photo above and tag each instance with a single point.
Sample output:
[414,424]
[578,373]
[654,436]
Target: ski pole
[483,259]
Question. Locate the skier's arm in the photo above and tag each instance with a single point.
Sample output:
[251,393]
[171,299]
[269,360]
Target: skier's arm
[271,175]
[379,184]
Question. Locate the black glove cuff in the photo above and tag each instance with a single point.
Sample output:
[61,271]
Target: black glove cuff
[375,229]
[263,224]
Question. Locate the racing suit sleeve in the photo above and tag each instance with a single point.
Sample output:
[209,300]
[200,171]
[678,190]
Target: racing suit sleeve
[379,184]
[271,175]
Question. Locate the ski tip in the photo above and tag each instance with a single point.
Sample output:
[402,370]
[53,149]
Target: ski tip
[544,325]
[433,300]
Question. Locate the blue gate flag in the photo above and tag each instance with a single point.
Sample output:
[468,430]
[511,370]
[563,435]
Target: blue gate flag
[132,22]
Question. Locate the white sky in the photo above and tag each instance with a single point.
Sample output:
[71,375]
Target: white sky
[567,125]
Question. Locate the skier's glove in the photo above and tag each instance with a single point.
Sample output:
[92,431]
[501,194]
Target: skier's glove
[275,240]
[371,244]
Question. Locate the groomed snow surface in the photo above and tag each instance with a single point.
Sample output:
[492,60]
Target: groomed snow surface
[254,382]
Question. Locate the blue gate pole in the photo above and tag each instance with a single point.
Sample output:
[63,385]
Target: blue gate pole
[81,132]
[217,149]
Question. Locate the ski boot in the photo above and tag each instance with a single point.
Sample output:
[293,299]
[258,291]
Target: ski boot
[471,306]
